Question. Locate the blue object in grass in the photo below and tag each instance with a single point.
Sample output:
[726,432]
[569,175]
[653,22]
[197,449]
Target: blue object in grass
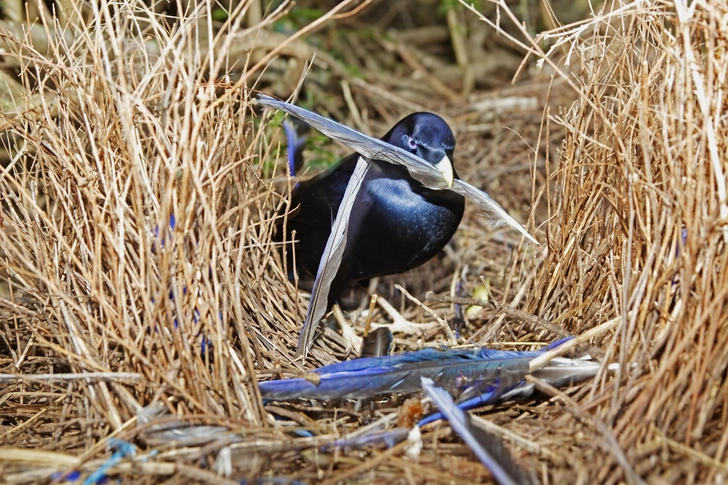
[74,476]
[477,376]
[373,376]
[296,144]
[206,343]
[455,369]
[488,448]
[172,224]
[481,392]
[123,449]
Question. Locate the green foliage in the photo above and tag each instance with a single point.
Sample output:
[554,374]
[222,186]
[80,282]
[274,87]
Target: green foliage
[220,15]
[446,5]
[296,19]
[306,14]
[320,155]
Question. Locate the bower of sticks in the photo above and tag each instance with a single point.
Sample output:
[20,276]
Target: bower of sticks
[142,295]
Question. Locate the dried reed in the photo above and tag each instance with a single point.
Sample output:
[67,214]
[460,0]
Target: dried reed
[136,247]
[636,231]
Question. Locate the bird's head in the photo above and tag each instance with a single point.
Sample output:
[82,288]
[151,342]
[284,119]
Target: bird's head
[429,137]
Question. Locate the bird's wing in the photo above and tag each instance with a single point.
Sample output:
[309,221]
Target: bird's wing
[319,197]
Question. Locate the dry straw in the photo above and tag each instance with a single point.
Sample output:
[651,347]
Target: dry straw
[637,232]
[119,125]
[137,226]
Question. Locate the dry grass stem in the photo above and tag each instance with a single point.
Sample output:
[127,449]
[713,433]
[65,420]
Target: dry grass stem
[143,294]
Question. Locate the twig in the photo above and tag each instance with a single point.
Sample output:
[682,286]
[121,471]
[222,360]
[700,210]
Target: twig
[401,324]
[443,323]
[508,310]
[367,465]
[457,35]
[573,343]
[86,376]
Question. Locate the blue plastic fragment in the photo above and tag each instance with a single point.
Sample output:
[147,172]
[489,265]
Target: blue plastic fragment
[123,449]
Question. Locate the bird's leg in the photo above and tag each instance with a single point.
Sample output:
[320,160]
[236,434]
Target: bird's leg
[370,315]
[371,290]
[353,341]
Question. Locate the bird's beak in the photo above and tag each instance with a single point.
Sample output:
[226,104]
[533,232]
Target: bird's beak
[445,168]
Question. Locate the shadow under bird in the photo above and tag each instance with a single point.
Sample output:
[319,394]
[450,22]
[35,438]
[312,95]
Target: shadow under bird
[395,224]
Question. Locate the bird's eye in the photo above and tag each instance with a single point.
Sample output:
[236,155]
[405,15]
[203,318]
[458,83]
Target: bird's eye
[411,143]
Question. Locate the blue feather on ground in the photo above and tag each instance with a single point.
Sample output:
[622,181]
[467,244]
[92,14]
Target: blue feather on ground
[370,377]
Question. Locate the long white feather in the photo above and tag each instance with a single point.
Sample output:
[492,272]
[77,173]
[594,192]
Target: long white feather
[499,216]
[374,149]
[331,259]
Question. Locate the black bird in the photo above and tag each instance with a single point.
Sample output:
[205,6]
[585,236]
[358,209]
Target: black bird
[396,224]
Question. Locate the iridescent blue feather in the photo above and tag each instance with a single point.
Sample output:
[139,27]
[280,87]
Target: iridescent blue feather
[370,377]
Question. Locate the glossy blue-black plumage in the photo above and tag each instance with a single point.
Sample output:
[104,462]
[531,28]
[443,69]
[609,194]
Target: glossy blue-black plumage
[396,223]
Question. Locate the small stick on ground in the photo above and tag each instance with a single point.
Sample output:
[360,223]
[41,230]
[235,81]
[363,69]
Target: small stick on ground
[443,323]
